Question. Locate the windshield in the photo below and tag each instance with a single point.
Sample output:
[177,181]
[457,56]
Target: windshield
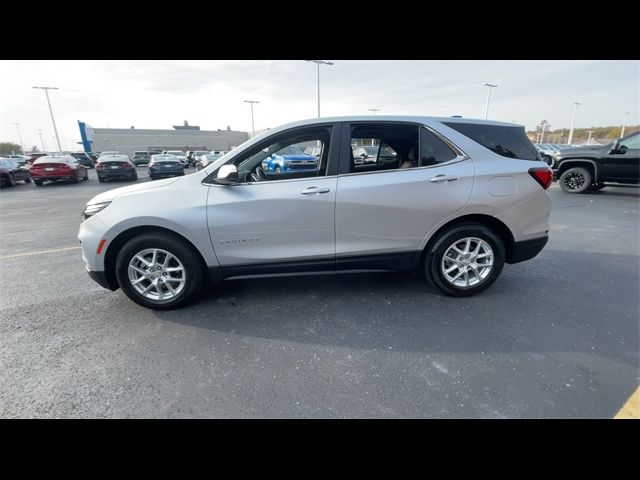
[290,150]
[7,162]
[119,158]
[175,152]
[164,158]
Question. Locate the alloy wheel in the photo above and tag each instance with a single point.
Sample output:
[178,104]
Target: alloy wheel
[157,274]
[467,262]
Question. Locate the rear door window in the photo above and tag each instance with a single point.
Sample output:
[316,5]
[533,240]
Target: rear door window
[511,142]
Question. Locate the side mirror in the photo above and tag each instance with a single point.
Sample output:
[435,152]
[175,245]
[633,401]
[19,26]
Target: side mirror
[615,148]
[363,155]
[227,175]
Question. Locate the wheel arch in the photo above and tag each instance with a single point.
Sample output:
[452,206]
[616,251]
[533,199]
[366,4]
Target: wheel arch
[497,226]
[591,165]
[122,238]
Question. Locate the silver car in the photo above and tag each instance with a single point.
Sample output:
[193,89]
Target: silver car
[453,198]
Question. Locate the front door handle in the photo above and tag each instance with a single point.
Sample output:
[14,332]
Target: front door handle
[315,190]
[443,178]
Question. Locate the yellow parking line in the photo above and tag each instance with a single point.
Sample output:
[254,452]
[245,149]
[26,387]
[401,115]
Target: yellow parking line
[41,252]
[631,409]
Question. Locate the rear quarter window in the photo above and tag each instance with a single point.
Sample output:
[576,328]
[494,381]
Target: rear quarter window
[510,142]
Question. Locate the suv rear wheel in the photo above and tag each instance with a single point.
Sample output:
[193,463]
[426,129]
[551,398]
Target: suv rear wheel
[575,180]
[464,259]
[159,271]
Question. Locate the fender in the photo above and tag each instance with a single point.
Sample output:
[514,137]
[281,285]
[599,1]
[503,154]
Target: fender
[580,160]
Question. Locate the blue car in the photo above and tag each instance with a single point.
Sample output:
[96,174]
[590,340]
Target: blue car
[290,159]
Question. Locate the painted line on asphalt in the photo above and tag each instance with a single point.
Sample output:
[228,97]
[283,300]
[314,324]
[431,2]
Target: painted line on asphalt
[631,409]
[41,252]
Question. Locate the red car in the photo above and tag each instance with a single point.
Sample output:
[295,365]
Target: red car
[63,167]
[34,156]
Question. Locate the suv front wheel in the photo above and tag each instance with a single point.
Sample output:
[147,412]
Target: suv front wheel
[159,271]
[465,259]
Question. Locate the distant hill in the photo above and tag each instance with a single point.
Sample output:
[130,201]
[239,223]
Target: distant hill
[580,135]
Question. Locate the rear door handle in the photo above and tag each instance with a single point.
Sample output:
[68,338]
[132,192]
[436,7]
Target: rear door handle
[443,178]
[315,190]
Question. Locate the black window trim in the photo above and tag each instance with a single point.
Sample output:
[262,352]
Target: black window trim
[330,171]
[345,157]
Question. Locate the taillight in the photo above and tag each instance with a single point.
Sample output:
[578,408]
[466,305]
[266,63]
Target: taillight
[542,175]
[101,166]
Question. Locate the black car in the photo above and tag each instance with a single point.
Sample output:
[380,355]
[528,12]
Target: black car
[84,159]
[115,166]
[141,158]
[165,166]
[11,172]
[594,167]
[94,155]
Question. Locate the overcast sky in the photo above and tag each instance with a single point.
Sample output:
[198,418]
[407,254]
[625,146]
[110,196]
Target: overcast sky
[159,94]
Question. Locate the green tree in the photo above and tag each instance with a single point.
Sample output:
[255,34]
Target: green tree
[7,148]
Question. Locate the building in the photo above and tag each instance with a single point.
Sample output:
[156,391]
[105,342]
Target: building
[182,137]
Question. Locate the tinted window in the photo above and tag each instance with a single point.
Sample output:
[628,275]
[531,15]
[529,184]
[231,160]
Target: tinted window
[433,150]
[631,142]
[382,146]
[509,142]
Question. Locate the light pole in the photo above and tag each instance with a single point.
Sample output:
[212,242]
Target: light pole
[374,110]
[624,124]
[251,102]
[44,145]
[573,118]
[589,139]
[544,124]
[46,92]
[486,110]
[17,124]
[318,63]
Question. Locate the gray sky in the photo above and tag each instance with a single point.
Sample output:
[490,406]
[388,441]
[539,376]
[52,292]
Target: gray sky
[158,94]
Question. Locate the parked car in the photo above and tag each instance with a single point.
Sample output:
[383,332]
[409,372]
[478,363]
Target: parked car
[180,155]
[290,159]
[205,160]
[84,159]
[54,168]
[94,156]
[141,158]
[194,156]
[596,166]
[462,198]
[115,166]
[19,159]
[11,172]
[165,165]
[34,156]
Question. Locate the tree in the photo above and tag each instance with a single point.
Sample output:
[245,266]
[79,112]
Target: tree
[35,148]
[9,148]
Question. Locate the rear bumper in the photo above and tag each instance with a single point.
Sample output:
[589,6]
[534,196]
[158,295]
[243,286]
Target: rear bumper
[527,249]
[101,279]
[53,177]
[117,173]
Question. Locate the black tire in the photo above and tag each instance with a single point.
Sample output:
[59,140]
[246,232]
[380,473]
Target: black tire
[38,182]
[439,246]
[101,180]
[28,179]
[575,180]
[194,269]
[597,187]
[152,177]
[135,177]
[12,181]
[76,179]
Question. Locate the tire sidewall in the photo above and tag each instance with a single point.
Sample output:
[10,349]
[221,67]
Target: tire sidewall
[439,247]
[584,172]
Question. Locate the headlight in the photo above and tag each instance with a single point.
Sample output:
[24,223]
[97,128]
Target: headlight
[91,210]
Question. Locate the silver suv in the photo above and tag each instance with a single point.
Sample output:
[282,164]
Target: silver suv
[451,197]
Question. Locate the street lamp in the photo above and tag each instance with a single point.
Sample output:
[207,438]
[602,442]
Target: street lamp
[251,102]
[46,92]
[374,110]
[17,124]
[624,124]
[486,110]
[318,63]
[573,118]
[589,139]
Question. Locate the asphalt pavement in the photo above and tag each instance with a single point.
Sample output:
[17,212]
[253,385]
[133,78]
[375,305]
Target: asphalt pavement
[555,337]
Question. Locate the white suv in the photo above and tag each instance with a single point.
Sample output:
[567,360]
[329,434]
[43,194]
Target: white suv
[452,197]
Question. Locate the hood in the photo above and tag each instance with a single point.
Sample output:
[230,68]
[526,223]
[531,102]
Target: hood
[580,151]
[109,195]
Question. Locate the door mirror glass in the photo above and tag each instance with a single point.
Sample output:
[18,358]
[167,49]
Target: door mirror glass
[227,175]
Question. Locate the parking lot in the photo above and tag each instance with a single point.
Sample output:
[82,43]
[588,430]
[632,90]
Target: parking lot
[555,337]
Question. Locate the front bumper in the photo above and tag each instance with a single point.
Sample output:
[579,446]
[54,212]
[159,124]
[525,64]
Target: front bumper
[527,249]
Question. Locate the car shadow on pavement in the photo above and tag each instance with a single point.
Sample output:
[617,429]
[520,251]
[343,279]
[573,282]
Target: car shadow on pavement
[560,301]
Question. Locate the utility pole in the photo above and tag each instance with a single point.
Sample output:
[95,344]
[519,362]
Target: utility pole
[374,110]
[46,91]
[17,124]
[44,145]
[624,124]
[486,110]
[589,139]
[251,102]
